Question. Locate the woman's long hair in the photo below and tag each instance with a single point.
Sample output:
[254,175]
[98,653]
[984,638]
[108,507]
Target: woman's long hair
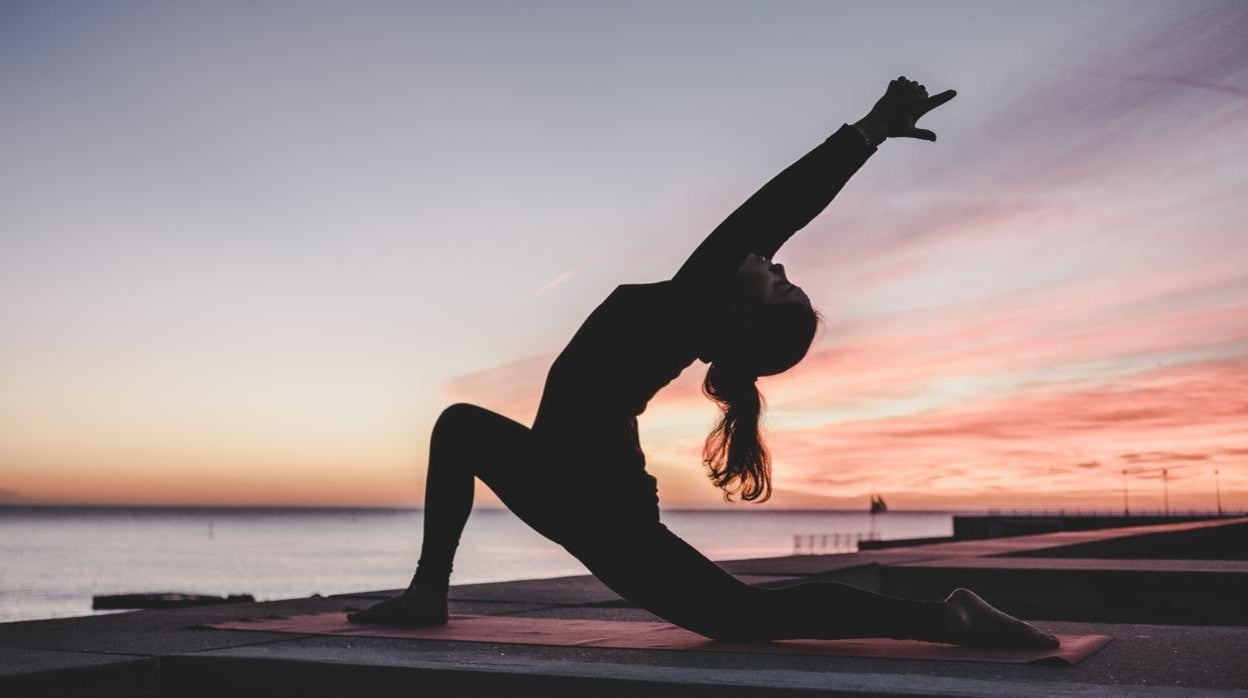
[734,454]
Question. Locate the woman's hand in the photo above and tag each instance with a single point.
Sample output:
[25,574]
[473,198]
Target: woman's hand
[893,116]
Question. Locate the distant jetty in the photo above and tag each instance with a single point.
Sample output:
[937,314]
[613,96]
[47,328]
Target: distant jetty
[102,602]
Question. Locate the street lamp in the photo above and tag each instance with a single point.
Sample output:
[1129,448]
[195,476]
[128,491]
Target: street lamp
[1126,510]
[1165,488]
[1217,488]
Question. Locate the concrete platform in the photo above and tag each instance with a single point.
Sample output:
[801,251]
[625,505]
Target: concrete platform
[162,653]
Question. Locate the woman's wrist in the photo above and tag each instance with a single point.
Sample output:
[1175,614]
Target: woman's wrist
[871,130]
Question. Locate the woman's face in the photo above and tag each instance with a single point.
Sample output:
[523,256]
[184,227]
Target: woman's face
[759,281]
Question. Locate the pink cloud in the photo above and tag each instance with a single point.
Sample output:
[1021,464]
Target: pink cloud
[1189,416]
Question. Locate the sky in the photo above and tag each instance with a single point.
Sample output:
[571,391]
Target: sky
[249,251]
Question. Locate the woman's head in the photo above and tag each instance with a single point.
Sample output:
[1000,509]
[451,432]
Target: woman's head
[770,329]
[771,322]
[763,282]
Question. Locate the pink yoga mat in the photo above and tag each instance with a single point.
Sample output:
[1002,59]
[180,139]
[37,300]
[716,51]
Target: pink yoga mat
[658,636]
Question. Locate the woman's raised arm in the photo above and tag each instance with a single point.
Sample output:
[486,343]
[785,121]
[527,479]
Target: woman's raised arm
[795,196]
[781,208]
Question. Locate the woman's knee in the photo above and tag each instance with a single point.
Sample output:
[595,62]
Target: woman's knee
[459,419]
[459,413]
[455,432]
[661,576]
[744,616]
[479,439]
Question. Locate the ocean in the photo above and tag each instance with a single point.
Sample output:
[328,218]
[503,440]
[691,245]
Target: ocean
[53,559]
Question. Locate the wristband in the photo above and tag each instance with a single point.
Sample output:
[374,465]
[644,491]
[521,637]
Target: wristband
[866,138]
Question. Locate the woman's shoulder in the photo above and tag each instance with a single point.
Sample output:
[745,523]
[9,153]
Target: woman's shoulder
[665,293]
[656,288]
[666,283]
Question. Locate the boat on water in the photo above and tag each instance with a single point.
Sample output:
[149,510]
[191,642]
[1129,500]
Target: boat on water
[877,504]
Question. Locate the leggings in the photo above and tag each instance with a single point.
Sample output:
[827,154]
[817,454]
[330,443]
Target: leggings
[635,556]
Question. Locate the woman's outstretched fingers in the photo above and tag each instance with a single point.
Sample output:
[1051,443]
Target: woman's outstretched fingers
[937,100]
[920,133]
[928,104]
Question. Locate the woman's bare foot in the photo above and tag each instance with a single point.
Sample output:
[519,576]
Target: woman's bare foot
[972,621]
[416,606]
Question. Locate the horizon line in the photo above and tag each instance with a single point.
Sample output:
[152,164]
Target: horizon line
[1058,511]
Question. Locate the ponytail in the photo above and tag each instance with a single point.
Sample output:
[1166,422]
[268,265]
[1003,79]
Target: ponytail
[734,452]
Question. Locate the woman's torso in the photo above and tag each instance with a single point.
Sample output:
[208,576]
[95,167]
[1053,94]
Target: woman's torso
[635,342]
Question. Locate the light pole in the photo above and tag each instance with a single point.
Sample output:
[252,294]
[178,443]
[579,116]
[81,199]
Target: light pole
[1126,510]
[1217,488]
[1165,488]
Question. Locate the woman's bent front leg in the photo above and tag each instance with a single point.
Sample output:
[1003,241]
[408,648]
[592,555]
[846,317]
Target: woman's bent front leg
[467,442]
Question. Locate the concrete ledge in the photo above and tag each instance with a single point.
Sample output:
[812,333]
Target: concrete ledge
[320,671]
[1222,539]
[1236,567]
[977,526]
[1092,592]
[865,545]
[33,672]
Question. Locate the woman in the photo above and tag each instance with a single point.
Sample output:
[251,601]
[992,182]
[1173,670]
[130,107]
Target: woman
[578,475]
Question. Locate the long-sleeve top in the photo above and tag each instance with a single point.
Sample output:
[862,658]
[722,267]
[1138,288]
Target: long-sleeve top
[644,335]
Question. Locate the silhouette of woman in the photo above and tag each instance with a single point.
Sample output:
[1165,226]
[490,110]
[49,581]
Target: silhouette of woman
[578,475]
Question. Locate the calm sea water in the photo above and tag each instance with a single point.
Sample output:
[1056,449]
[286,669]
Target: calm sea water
[52,560]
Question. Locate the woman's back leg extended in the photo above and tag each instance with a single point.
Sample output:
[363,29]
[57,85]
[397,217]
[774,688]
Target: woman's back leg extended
[658,571]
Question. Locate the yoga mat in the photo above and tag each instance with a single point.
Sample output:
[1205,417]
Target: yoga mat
[658,636]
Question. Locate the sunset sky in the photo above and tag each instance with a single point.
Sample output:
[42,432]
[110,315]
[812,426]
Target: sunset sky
[249,251]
